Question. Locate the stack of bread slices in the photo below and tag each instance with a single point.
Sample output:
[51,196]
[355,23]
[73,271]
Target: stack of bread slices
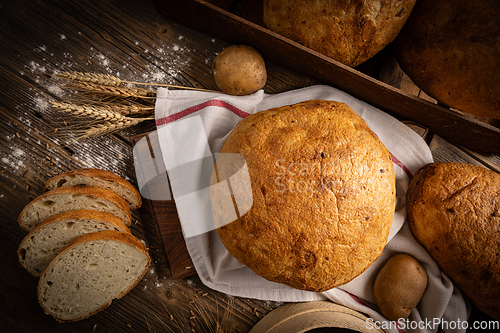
[79,244]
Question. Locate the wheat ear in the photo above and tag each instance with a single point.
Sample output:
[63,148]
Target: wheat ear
[113,81]
[128,110]
[113,91]
[110,127]
[88,111]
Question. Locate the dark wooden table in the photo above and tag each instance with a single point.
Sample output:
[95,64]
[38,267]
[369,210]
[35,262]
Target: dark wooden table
[128,39]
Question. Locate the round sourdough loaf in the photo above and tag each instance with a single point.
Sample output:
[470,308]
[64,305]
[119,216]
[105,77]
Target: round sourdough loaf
[451,50]
[454,212]
[350,32]
[323,192]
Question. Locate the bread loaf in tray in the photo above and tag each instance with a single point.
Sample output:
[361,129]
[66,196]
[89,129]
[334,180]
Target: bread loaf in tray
[90,272]
[350,32]
[44,242]
[71,198]
[97,178]
[450,50]
[454,212]
[322,192]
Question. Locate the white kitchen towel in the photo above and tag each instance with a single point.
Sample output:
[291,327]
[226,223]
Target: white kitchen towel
[192,127]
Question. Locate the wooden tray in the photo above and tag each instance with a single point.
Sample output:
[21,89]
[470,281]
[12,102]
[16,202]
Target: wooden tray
[216,18]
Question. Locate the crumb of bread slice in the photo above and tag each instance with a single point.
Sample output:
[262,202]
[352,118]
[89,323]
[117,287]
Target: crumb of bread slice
[90,272]
[97,178]
[71,198]
[44,242]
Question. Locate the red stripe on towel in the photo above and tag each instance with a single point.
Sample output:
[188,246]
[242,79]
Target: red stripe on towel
[242,114]
[198,107]
[402,166]
[356,298]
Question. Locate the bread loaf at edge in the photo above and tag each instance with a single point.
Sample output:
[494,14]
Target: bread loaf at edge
[71,198]
[454,212]
[450,50]
[44,242]
[97,178]
[90,272]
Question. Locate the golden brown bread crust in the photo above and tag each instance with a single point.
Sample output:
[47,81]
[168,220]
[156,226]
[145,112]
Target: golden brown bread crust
[450,49]
[123,237]
[51,184]
[454,212]
[350,32]
[88,190]
[84,214]
[323,189]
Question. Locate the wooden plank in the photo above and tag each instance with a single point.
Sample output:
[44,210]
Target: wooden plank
[212,20]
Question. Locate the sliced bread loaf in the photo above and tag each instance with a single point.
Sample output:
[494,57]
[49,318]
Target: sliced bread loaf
[90,272]
[97,178]
[65,199]
[44,242]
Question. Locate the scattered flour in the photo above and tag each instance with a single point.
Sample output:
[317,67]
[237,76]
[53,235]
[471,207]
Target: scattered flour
[42,48]
[18,152]
[41,104]
[159,76]
[10,163]
[103,60]
[56,90]
[35,67]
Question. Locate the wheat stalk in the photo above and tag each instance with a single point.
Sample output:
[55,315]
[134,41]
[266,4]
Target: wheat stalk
[108,127]
[89,111]
[132,109]
[113,90]
[104,111]
[113,81]
[106,115]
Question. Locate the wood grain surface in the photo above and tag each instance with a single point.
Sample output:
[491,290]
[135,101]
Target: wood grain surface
[131,40]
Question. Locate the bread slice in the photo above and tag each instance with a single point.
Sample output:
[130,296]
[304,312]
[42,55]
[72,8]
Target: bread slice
[65,199]
[97,178]
[44,242]
[90,272]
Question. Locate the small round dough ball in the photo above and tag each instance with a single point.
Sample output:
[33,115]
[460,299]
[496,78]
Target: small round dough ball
[399,286]
[239,70]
